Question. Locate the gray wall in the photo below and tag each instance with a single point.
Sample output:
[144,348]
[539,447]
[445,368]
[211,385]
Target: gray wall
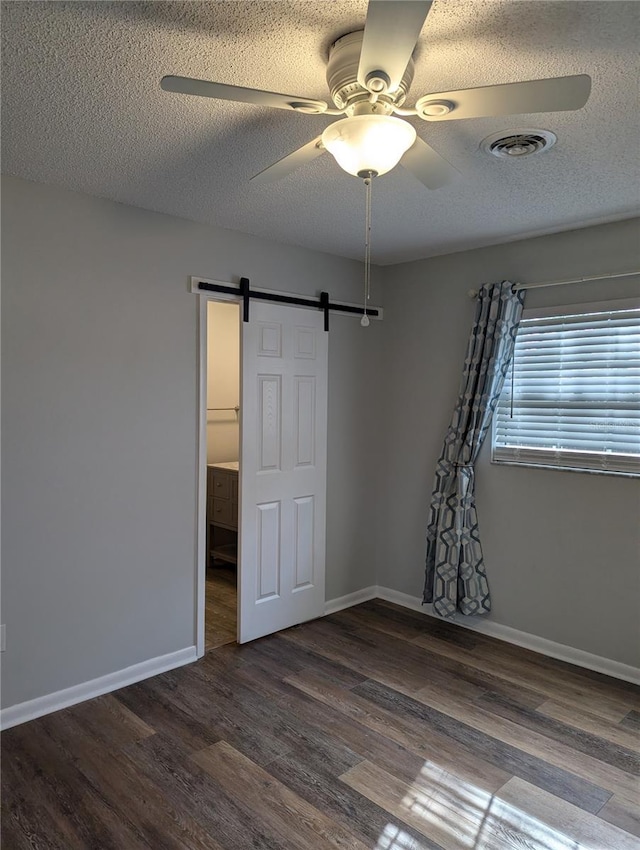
[99,428]
[99,436]
[562,549]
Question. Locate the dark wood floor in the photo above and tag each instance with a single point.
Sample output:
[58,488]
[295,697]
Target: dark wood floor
[221,603]
[372,729]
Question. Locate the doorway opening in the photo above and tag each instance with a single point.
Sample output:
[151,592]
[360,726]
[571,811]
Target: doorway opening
[262,451]
[223,455]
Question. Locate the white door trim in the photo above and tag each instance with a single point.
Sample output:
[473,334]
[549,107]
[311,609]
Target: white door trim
[201,463]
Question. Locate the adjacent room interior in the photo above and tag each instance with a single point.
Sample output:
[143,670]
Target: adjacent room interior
[320,455]
[223,452]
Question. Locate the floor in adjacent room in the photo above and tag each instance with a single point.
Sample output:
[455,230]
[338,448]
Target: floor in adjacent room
[221,602]
[376,728]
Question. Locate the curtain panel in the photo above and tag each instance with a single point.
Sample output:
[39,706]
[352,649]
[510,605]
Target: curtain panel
[456,579]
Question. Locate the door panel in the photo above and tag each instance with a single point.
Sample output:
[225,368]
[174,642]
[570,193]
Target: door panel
[270,421]
[304,510]
[268,551]
[282,469]
[305,396]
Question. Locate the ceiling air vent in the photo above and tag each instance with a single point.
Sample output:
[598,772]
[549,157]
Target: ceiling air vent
[510,144]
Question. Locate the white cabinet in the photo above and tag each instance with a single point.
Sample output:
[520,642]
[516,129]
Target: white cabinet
[222,511]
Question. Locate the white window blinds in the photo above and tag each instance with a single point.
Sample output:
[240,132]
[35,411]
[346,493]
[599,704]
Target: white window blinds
[572,395]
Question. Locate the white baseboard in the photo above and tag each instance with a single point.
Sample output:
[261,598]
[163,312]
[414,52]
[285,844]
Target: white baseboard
[24,711]
[570,654]
[413,602]
[21,713]
[342,602]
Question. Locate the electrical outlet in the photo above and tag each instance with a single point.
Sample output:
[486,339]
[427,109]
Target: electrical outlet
[3,638]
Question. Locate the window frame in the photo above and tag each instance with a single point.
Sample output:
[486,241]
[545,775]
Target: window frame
[540,458]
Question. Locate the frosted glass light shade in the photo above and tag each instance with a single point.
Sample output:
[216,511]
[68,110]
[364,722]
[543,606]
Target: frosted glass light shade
[367,143]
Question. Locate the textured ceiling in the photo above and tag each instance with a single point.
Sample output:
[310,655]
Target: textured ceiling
[82,108]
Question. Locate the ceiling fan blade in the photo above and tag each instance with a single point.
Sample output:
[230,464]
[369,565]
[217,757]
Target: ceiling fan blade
[558,94]
[307,153]
[391,31]
[221,91]
[428,166]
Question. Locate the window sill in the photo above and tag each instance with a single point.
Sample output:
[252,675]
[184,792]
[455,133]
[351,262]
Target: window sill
[531,465]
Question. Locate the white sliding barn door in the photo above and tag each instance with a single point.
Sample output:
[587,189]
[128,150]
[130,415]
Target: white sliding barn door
[282,469]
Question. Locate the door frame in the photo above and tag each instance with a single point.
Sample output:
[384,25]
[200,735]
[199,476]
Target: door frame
[204,296]
[201,462]
[201,466]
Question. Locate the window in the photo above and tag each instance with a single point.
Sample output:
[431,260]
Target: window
[571,398]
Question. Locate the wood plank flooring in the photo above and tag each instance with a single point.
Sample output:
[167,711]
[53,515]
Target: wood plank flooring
[220,609]
[376,728]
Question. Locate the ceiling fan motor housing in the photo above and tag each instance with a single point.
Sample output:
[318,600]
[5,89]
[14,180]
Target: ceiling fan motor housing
[342,73]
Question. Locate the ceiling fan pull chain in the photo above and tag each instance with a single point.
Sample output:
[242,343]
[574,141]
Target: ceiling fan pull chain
[367,249]
[369,193]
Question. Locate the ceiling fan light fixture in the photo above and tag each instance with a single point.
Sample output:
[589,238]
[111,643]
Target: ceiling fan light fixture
[366,145]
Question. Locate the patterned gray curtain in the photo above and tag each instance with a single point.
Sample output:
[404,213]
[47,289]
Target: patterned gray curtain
[455,577]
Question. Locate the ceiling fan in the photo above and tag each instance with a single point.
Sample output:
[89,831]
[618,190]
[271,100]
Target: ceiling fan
[369,74]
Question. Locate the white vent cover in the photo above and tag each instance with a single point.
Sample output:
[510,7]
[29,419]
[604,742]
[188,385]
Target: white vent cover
[509,144]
